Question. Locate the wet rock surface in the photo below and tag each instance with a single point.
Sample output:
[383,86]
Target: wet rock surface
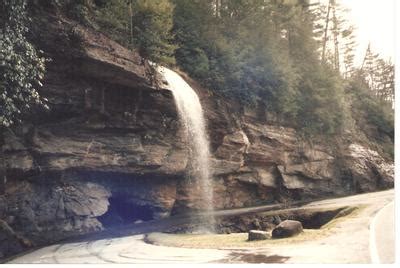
[112,137]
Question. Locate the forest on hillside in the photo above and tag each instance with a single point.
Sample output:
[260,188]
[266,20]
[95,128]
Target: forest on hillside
[294,57]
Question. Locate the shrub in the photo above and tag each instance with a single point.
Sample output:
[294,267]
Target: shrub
[21,67]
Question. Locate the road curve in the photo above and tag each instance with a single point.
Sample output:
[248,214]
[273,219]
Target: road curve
[347,242]
[382,241]
[131,249]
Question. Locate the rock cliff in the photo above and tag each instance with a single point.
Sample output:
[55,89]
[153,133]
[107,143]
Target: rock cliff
[110,150]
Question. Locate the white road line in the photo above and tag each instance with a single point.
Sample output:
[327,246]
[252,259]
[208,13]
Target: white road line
[373,249]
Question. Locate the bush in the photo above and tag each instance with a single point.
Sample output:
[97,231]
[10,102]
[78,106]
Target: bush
[21,67]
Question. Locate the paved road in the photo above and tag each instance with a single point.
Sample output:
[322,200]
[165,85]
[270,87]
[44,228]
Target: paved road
[347,242]
[382,242]
[130,249]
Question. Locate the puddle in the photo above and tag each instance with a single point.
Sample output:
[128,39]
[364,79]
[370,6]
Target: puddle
[236,257]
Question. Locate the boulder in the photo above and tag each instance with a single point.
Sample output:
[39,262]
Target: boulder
[287,228]
[258,235]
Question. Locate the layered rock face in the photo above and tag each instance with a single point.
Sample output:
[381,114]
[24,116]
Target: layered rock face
[111,150]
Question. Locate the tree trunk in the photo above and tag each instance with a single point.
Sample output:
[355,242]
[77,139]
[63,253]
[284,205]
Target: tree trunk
[326,32]
[131,20]
[335,36]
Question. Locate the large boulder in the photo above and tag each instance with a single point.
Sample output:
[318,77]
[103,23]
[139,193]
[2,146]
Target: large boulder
[258,235]
[48,212]
[287,228]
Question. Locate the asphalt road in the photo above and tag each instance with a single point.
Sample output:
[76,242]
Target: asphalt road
[347,242]
[382,242]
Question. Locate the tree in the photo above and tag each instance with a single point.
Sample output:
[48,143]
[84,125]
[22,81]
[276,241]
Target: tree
[326,27]
[260,52]
[144,25]
[372,115]
[379,75]
[348,48]
[292,57]
[385,81]
[152,26]
[337,38]
[115,19]
[193,23]
[21,67]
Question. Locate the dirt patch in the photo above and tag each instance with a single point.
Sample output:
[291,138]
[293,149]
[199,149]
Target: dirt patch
[223,241]
[236,257]
[239,240]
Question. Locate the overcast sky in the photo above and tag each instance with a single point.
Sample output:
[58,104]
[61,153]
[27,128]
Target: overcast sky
[375,23]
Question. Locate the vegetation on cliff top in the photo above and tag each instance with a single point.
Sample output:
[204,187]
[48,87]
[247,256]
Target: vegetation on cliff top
[293,57]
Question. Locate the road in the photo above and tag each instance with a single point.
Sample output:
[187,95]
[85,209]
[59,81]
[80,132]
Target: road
[349,241]
[382,239]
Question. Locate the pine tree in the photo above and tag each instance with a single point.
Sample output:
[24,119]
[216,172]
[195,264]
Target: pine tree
[337,38]
[379,75]
[368,68]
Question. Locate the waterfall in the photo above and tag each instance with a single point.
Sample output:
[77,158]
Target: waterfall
[192,120]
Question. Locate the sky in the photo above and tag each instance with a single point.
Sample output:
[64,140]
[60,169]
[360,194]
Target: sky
[375,22]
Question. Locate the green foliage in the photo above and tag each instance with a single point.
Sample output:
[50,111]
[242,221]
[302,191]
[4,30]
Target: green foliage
[195,60]
[144,25]
[261,51]
[21,68]
[191,19]
[113,18]
[152,24]
[324,110]
[373,116]
[368,110]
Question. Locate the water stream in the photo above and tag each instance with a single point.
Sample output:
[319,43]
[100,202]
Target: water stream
[192,120]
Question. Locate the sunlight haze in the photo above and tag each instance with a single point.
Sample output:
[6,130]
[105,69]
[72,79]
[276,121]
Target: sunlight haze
[374,21]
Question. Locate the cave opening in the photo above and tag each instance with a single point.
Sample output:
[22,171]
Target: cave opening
[123,211]
[318,219]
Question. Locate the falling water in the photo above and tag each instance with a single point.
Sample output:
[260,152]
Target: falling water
[192,119]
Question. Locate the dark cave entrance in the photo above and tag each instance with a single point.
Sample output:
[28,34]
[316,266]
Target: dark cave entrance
[123,210]
[318,219]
